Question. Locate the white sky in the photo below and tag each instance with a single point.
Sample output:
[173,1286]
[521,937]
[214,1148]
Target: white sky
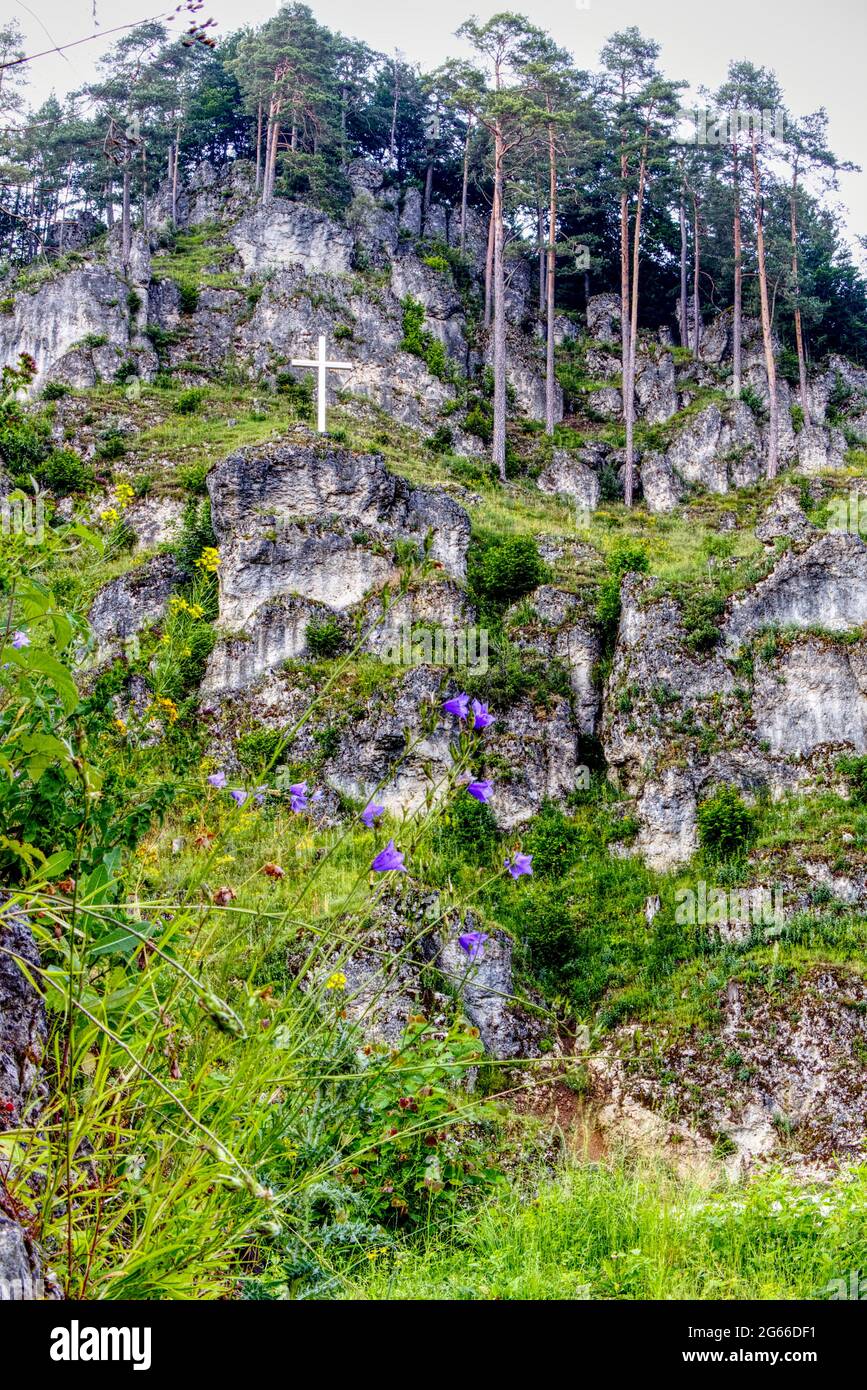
[816,47]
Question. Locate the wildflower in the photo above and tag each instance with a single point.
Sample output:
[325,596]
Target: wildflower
[218,780]
[209,560]
[120,725]
[481,716]
[19,640]
[298,797]
[371,813]
[259,795]
[123,495]
[273,870]
[238,796]
[110,516]
[162,705]
[224,896]
[195,610]
[458,705]
[519,864]
[481,791]
[473,943]
[389,859]
[336,980]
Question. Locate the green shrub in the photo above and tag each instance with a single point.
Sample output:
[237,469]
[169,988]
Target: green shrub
[189,402]
[752,399]
[625,557]
[442,440]
[554,842]
[188,296]
[55,390]
[25,440]
[700,611]
[469,831]
[299,394]
[257,748]
[64,471]
[797,414]
[133,302]
[325,638]
[854,769]
[726,825]
[421,343]
[197,533]
[503,570]
[480,422]
[193,477]
[112,445]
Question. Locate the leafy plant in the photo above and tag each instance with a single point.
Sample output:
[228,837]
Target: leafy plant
[726,825]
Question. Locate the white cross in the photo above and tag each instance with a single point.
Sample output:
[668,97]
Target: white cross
[323,367]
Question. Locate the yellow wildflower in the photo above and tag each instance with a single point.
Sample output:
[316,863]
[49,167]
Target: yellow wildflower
[162,706]
[337,980]
[123,494]
[110,516]
[209,560]
[120,726]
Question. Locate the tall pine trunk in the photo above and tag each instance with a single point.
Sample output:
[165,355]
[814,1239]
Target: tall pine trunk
[682,316]
[770,364]
[542,254]
[464,186]
[696,275]
[551,282]
[175,174]
[629,380]
[489,269]
[125,225]
[799,329]
[259,147]
[625,311]
[737,349]
[499,440]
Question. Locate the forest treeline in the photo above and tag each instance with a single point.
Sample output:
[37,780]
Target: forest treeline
[598,171]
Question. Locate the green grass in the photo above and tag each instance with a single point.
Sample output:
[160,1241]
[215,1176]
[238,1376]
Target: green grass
[637,1232]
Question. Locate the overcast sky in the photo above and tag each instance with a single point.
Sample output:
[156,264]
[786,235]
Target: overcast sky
[817,48]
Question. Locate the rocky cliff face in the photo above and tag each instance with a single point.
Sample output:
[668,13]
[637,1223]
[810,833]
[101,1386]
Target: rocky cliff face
[22,1090]
[677,724]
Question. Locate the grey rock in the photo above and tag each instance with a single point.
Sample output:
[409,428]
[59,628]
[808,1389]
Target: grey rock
[785,518]
[261,506]
[815,695]
[23,1036]
[819,448]
[655,388]
[567,476]
[278,633]
[292,234]
[603,317]
[824,586]
[131,602]
[661,488]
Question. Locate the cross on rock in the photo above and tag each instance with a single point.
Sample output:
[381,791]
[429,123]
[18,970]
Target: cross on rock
[323,367]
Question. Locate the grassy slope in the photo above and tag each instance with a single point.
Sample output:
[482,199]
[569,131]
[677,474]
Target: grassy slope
[582,933]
